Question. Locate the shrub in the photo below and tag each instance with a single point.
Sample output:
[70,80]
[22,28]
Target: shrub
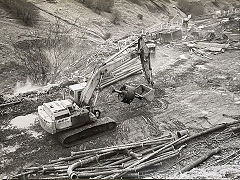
[216,3]
[99,5]
[140,16]
[167,1]
[138,2]
[225,8]
[46,59]
[107,36]
[34,60]
[116,17]
[193,8]
[22,9]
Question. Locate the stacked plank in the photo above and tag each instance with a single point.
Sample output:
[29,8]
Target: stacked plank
[208,46]
[119,161]
[126,65]
[214,47]
[126,69]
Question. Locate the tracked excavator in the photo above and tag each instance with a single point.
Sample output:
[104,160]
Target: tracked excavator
[75,117]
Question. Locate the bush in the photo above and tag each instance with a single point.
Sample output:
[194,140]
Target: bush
[46,59]
[107,36]
[22,9]
[34,60]
[138,2]
[116,17]
[225,8]
[99,5]
[216,3]
[193,8]
[140,16]
[167,1]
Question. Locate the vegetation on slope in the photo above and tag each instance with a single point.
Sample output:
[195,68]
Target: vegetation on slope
[21,9]
[99,5]
[189,7]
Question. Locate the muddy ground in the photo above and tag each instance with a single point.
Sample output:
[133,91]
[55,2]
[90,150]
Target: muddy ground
[199,92]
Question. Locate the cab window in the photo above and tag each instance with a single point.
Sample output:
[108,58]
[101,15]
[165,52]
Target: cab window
[71,93]
[61,117]
[79,94]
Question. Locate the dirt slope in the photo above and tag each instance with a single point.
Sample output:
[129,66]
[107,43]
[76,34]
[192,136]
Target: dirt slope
[199,90]
[96,28]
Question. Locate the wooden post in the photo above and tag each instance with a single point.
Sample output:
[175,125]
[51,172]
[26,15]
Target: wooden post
[150,155]
[216,128]
[200,160]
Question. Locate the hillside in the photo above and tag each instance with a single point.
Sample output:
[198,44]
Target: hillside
[95,28]
[196,76]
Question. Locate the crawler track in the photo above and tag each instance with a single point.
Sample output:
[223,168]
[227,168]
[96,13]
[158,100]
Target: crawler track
[70,137]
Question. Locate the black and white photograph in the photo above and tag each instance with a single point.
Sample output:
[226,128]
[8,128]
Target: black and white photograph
[119,89]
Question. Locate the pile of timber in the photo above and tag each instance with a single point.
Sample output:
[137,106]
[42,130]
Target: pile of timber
[213,47]
[208,46]
[203,49]
[126,69]
[121,161]
[9,101]
[124,161]
[125,65]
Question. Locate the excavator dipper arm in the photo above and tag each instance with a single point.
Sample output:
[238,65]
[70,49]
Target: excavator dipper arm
[127,93]
[111,64]
[145,60]
[96,77]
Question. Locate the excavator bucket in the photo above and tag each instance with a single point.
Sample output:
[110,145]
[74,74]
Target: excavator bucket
[146,92]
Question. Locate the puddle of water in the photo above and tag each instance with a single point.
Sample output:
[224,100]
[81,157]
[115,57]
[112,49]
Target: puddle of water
[12,136]
[10,149]
[24,122]
[183,57]
[4,162]
[201,67]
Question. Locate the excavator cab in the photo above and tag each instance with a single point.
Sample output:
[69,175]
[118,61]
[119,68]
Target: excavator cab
[75,91]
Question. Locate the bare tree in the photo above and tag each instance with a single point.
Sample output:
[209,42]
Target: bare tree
[58,48]
[49,52]
[32,57]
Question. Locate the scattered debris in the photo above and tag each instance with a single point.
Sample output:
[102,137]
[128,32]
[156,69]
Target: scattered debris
[210,130]
[215,172]
[134,160]
[10,103]
[211,46]
[10,149]
[110,162]
[200,160]
[226,158]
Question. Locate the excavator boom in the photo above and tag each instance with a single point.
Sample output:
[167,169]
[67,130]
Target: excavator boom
[75,118]
[145,60]
[114,62]
[110,64]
